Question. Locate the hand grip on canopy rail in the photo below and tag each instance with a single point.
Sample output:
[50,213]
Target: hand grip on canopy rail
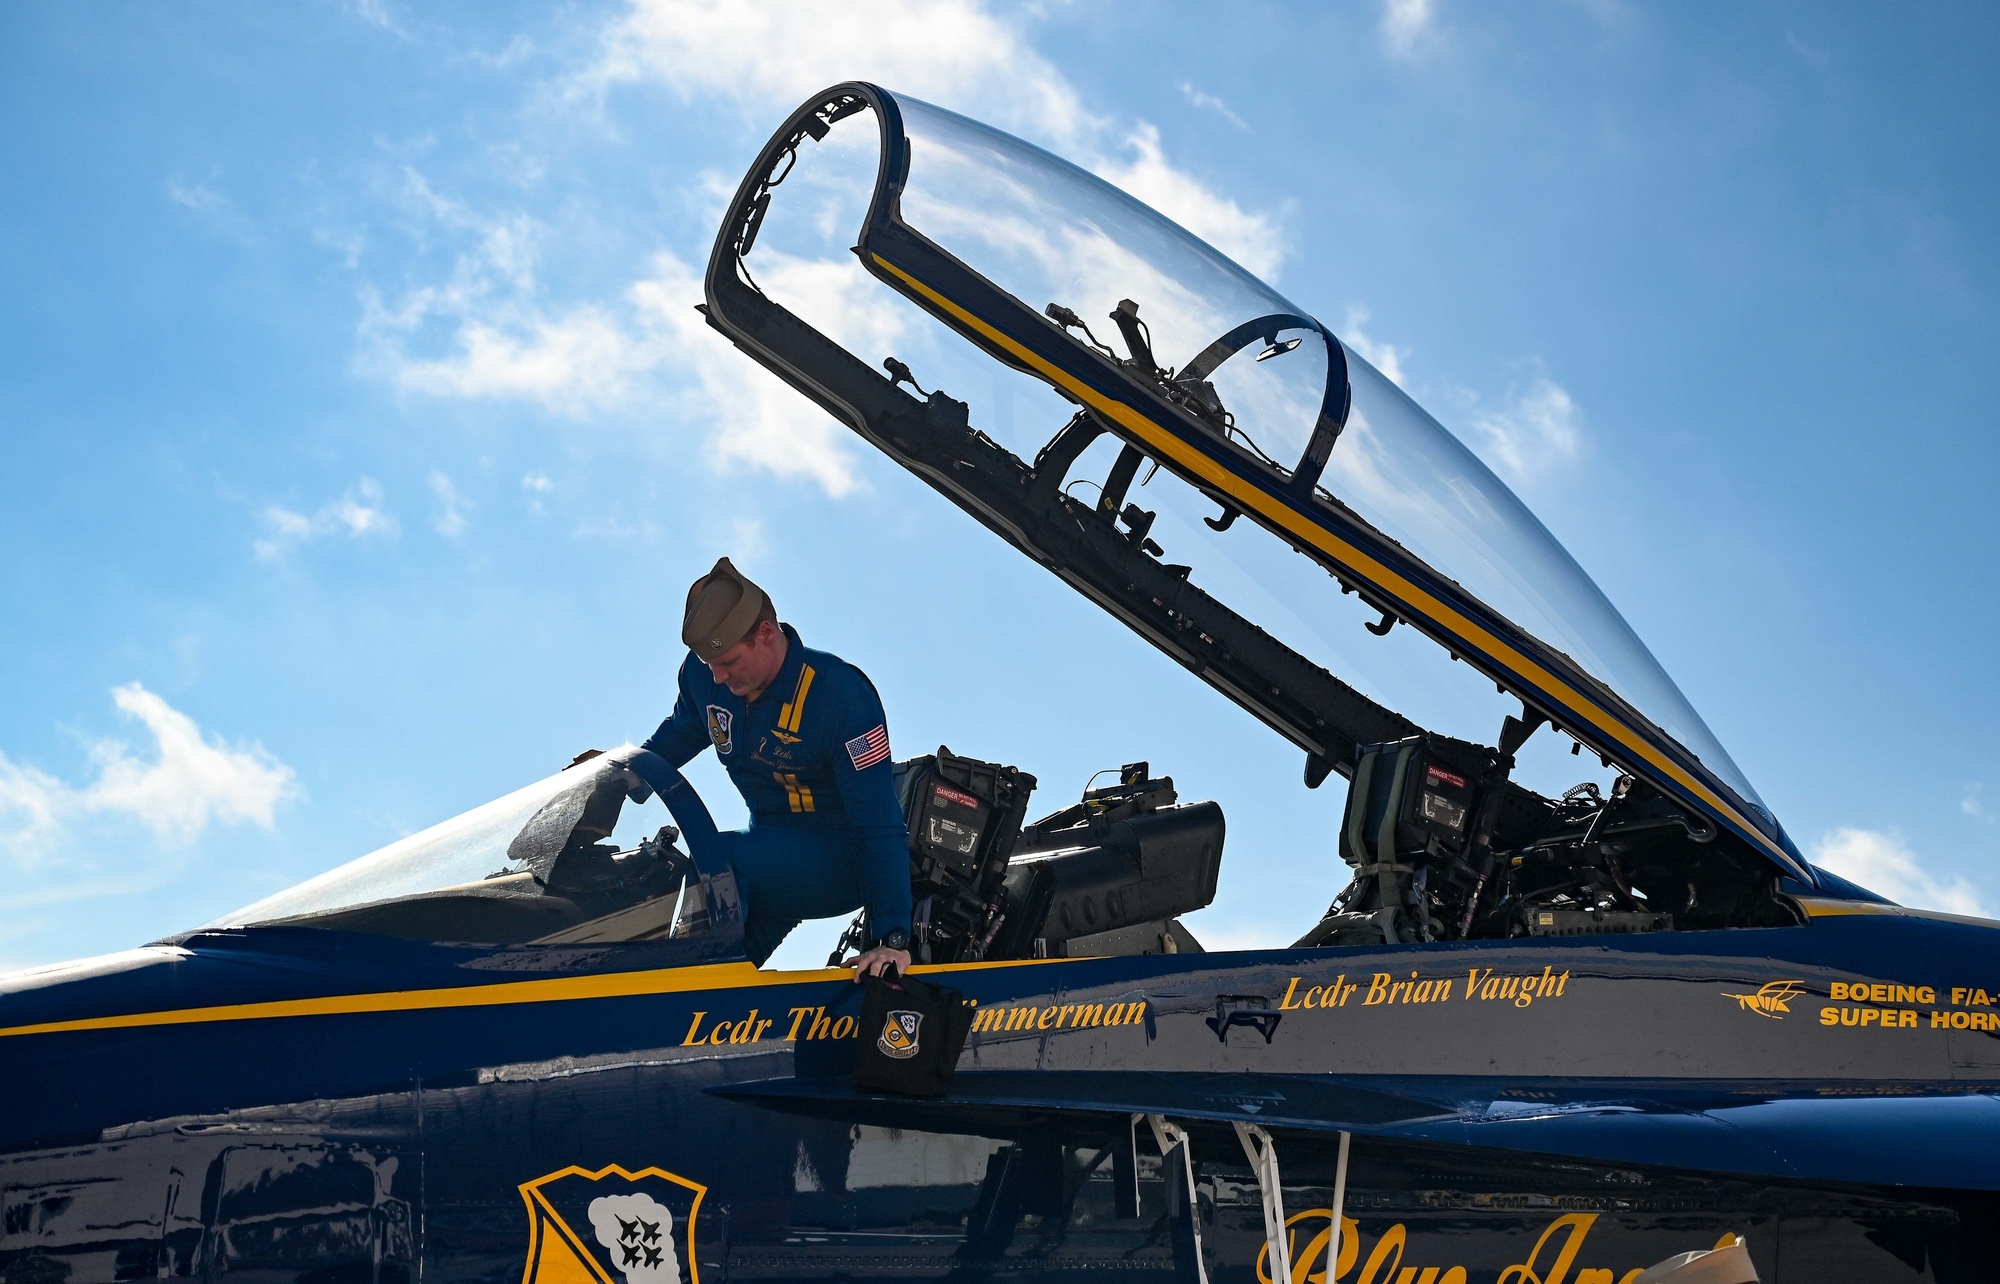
[1138,336]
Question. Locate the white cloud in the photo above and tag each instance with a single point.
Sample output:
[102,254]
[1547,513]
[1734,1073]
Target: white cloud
[645,353]
[198,197]
[485,331]
[500,341]
[30,801]
[358,514]
[376,13]
[1405,24]
[213,208]
[573,364]
[1253,240]
[189,781]
[1883,862]
[1386,357]
[535,485]
[1973,804]
[515,52]
[1535,432]
[743,540]
[765,53]
[755,421]
[1209,102]
[450,519]
[361,511]
[1525,439]
[285,527]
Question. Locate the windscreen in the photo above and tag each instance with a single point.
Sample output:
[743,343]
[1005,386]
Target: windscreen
[1048,233]
[521,833]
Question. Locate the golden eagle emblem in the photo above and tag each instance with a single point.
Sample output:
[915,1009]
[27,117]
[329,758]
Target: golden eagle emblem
[1772,999]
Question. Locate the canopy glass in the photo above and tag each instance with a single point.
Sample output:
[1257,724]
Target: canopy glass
[1053,237]
[1100,289]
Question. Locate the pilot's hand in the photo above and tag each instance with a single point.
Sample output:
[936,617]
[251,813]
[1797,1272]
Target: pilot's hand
[874,961]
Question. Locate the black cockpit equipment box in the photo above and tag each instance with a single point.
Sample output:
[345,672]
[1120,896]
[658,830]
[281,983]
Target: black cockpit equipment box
[1111,874]
[964,817]
[1409,817]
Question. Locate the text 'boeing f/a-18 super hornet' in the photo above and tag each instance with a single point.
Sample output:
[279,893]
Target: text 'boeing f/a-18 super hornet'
[1624,1032]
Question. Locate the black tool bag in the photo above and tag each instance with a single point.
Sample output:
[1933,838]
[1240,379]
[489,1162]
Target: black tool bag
[910,1037]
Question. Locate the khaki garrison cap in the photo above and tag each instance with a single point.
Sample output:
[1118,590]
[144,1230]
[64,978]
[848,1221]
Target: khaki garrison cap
[722,608]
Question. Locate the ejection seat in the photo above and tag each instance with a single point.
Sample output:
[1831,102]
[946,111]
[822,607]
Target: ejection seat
[1405,809]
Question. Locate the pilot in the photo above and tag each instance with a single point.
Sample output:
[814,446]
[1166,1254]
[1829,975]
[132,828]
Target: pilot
[804,739]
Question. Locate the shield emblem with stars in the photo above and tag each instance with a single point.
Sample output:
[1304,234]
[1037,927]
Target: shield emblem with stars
[611,1226]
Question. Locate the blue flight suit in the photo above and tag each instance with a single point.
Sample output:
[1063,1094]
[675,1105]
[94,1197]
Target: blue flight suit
[811,758]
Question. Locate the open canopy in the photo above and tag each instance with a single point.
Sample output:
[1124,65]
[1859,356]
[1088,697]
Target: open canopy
[1196,364]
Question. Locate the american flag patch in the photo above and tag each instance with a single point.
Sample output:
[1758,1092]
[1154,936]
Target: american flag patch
[868,749]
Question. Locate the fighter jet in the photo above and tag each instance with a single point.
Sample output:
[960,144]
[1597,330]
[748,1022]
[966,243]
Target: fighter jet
[1613,1032]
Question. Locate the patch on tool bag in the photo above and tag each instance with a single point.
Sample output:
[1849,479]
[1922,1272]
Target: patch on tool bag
[869,748]
[719,720]
[899,1035]
[897,1008]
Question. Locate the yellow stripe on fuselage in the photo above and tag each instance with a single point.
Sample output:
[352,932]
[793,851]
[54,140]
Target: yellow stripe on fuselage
[1171,447]
[615,985]
[1817,907]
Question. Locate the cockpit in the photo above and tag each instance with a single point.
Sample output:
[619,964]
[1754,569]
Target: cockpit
[544,866]
[534,866]
[1217,469]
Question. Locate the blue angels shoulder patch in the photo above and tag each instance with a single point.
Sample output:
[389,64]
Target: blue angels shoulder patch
[719,719]
[611,1226]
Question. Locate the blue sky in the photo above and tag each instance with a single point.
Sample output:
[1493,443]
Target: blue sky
[359,441]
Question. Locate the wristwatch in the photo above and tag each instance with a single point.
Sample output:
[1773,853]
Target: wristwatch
[895,939]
